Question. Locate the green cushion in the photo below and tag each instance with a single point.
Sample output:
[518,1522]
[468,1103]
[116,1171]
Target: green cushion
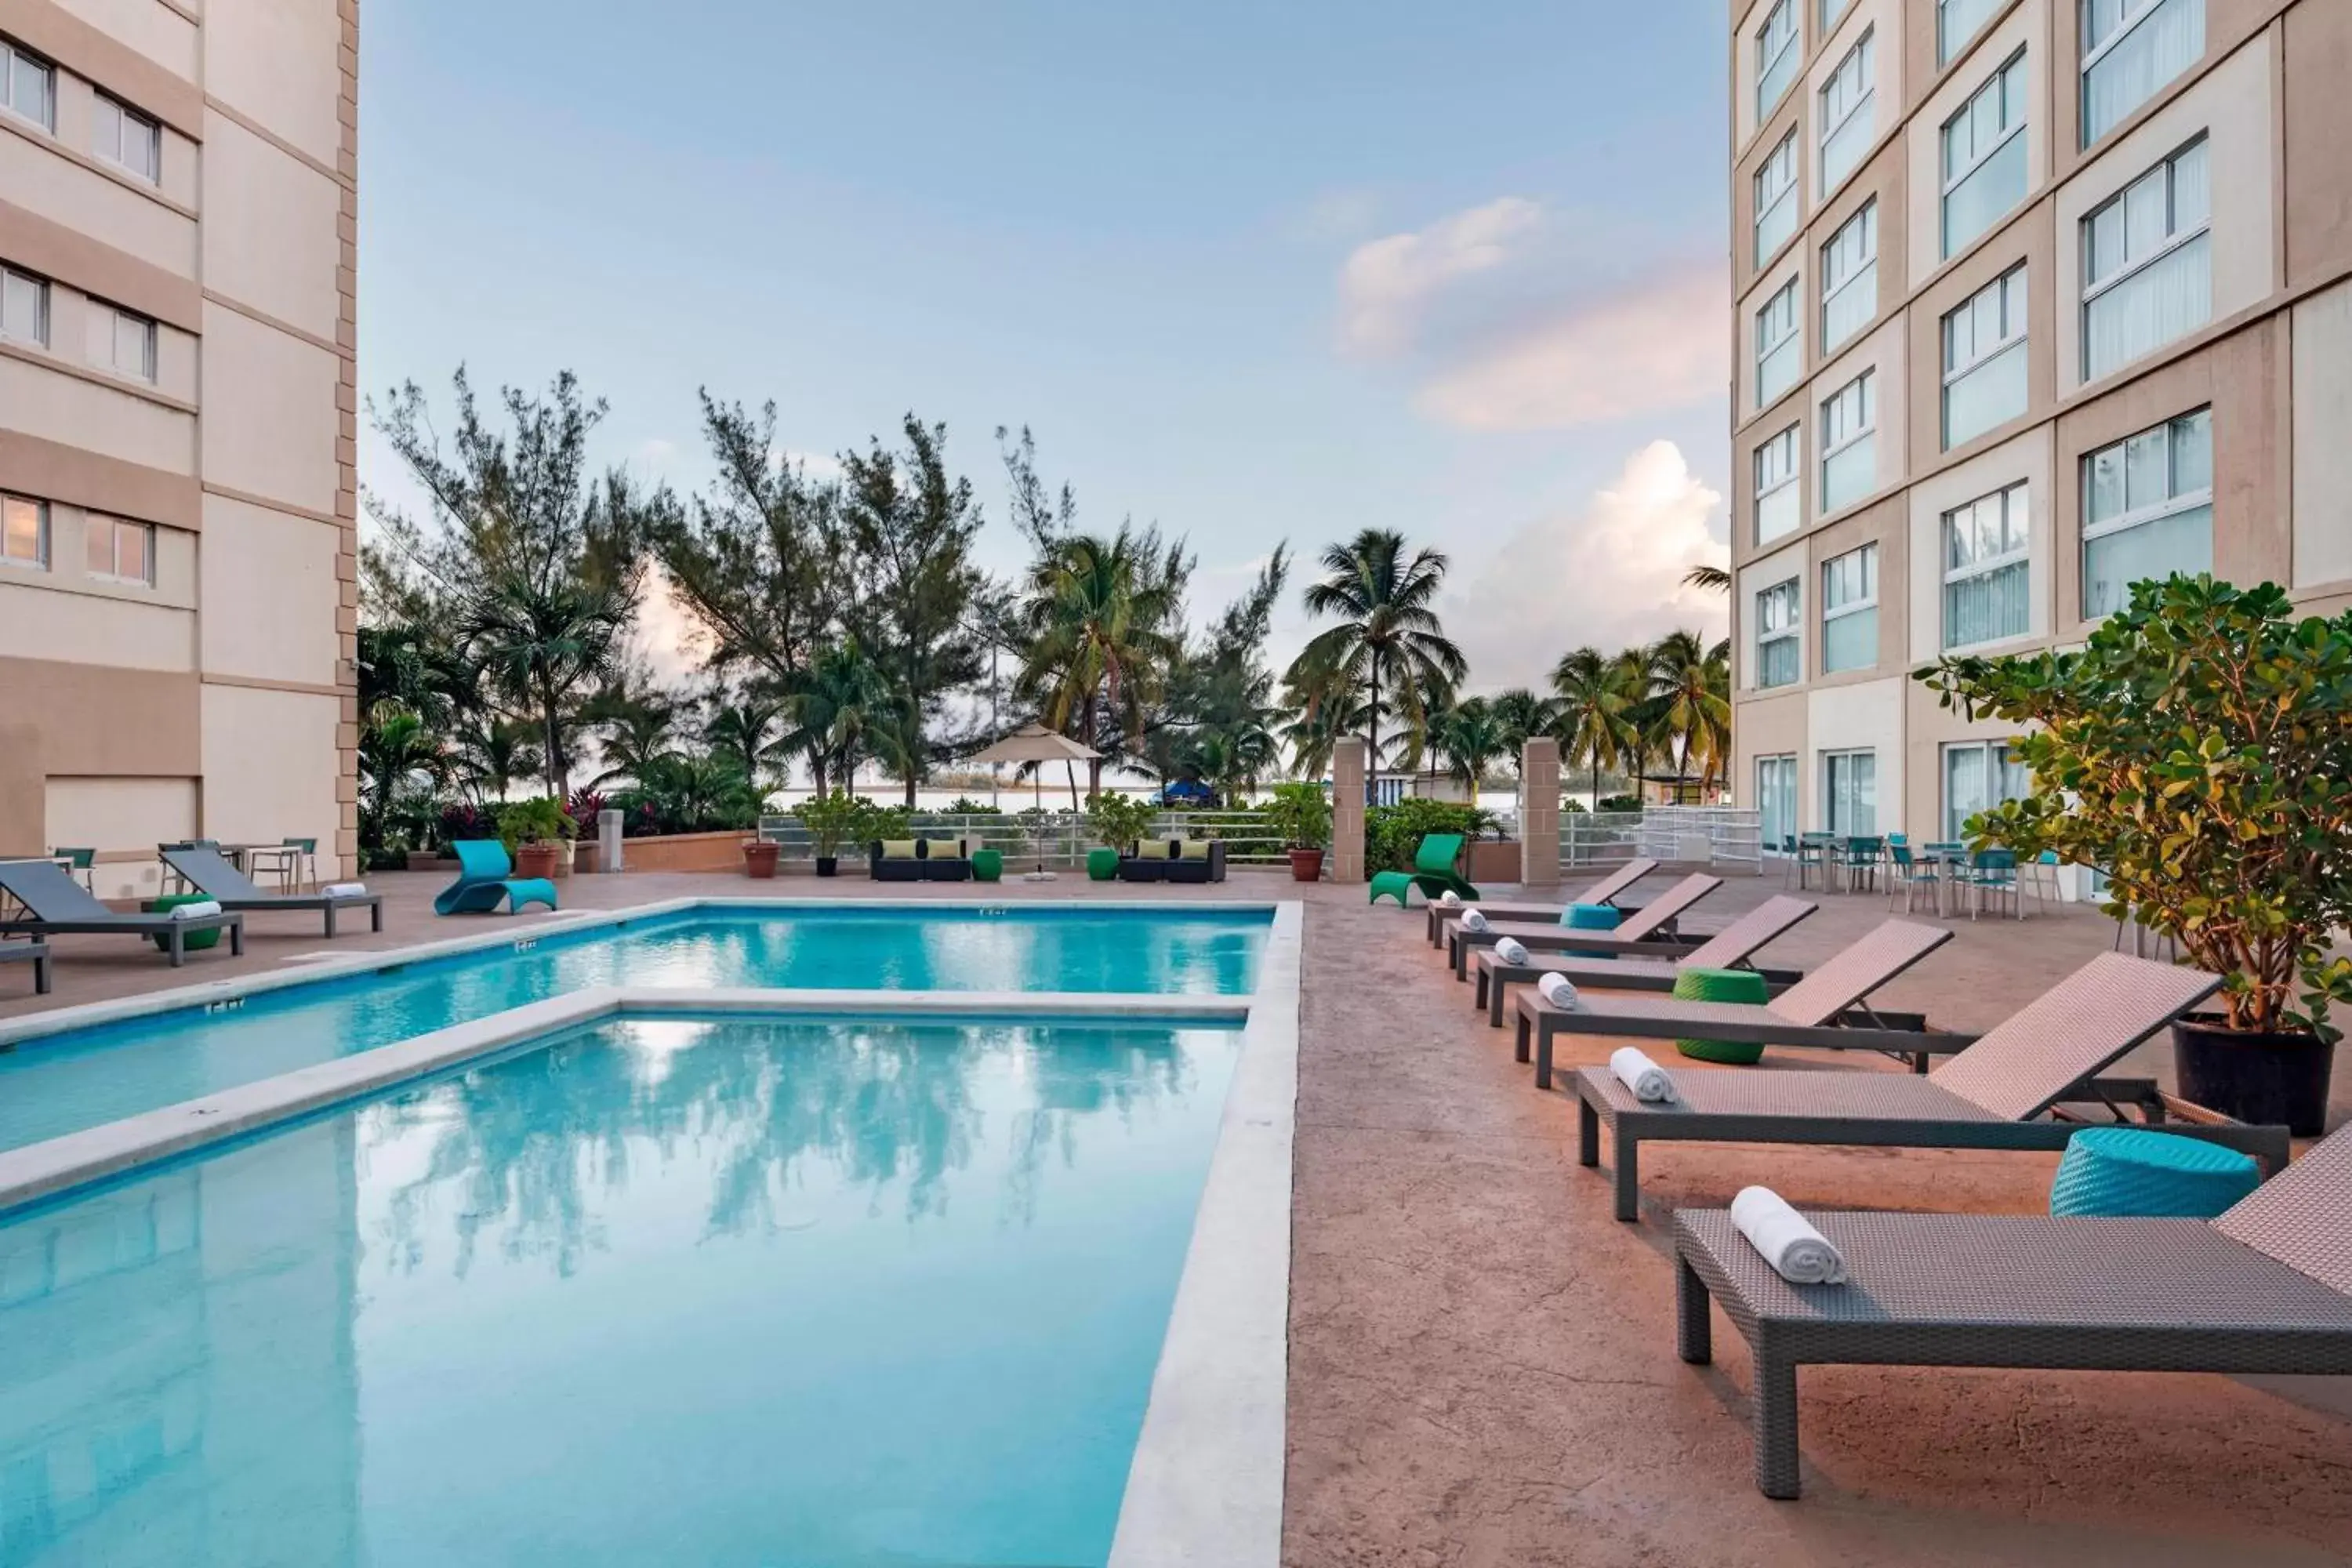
[1721,985]
[898,849]
[2139,1173]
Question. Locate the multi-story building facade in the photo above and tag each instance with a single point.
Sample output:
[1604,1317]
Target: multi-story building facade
[2034,299]
[178,479]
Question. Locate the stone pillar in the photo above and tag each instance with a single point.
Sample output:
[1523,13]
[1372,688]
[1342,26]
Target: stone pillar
[1348,812]
[1539,813]
[608,841]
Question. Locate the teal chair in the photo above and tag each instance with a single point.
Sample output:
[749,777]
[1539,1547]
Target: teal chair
[1433,872]
[484,881]
[1994,872]
[82,863]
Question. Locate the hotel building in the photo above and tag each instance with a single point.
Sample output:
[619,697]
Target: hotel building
[2035,300]
[178,226]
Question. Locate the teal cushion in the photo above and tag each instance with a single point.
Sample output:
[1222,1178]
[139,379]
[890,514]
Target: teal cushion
[2140,1172]
[1591,917]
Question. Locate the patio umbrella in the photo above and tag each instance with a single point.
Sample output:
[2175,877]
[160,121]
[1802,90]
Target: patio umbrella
[1036,743]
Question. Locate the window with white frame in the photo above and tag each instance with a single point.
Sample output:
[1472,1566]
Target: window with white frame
[1849,442]
[2147,263]
[1849,610]
[25,532]
[2130,49]
[1984,156]
[1957,21]
[1776,609]
[24,307]
[1977,777]
[1984,359]
[1779,355]
[28,86]
[1987,573]
[1850,793]
[1776,198]
[1847,121]
[1777,58]
[2148,511]
[1830,11]
[1775,802]
[1849,276]
[128,139]
[1778,509]
[119,551]
[122,341]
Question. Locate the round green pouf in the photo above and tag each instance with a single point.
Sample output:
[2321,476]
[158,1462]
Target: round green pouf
[1721,985]
[194,940]
[1102,865]
[987,866]
[2139,1173]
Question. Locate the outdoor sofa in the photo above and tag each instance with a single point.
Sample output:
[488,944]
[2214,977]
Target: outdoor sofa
[1731,948]
[1607,891]
[919,860]
[1191,860]
[54,904]
[210,874]
[1643,934]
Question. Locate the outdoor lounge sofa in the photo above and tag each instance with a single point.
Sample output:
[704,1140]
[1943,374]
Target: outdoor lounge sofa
[216,878]
[33,952]
[485,880]
[1997,1094]
[55,904]
[1731,948]
[1607,891]
[1191,860]
[919,860]
[1641,935]
[1433,872]
[2264,1288]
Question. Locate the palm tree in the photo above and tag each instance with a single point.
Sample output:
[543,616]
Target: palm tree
[397,753]
[543,641]
[839,704]
[1471,736]
[1097,616]
[488,752]
[1691,682]
[1597,697]
[1718,578]
[1522,714]
[1389,637]
[634,730]
[743,729]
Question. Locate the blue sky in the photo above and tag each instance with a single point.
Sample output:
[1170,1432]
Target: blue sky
[1250,271]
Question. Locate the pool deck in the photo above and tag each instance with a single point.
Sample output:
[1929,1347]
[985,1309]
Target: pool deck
[1482,1360]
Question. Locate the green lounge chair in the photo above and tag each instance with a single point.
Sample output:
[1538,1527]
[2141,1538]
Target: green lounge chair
[483,882]
[1433,872]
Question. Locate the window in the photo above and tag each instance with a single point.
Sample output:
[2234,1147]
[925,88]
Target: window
[128,140]
[1849,610]
[1830,11]
[1977,777]
[1846,119]
[28,86]
[122,342]
[1777,509]
[1776,635]
[124,552]
[2148,511]
[1849,442]
[24,307]
[2130,49]
[1850,792]
[1984,156]
[1777,355]
[1986,570]
[1984,359]
[1957,21]
[1776,198]
[1776,799]
[2147,265]
[1776,58]
[1849,276]
[25,532]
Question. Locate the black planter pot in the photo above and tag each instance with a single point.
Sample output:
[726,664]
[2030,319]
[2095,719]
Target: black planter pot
[828,865]
[2264,1080]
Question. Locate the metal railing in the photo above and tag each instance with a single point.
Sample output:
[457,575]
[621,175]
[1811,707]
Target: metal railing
[1598,838]
[1061,838]
[1690,835]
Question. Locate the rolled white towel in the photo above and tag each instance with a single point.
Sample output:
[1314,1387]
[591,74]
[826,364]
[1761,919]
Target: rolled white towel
[1473,919]
[197,910]
[1556,990]
[1511,949]
[1797,1252]
[1450,898]
[343,891]
[1646,1078]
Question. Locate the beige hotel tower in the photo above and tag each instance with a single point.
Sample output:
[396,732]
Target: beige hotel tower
[2033,298]
[178,226]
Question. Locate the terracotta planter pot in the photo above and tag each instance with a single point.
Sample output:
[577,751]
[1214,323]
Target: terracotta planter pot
[759,859]
[2264,1080]
[535,860]
[1306,865]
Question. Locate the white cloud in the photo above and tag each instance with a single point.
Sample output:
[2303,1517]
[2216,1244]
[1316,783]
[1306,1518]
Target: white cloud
[669,635]
[1610,576]
[659,454]
[1387,284]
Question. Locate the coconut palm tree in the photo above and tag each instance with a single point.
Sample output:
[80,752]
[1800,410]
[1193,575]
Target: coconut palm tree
[1522,713]
[1471,736]
[1691,683]
[542,641]
[1097,616]
[839,705]
[743,729]
[1324,706]
[1597,695]
[636,727]
[1718,578]
[399,759]
[488,753]
[1389,639]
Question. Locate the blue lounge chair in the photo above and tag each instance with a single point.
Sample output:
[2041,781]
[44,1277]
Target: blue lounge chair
[484,882]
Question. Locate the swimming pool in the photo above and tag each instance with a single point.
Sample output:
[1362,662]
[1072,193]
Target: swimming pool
[64,1082]
[683,1290]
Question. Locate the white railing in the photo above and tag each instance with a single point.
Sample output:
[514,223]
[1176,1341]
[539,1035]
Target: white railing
[1690,835]
[1059,838]
[1603,838]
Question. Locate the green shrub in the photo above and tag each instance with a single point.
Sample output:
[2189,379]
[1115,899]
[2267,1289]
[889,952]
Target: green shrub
[1301,813]
[836,819]
[1118,820]
[1392,834]
[1619,803]
[538,820]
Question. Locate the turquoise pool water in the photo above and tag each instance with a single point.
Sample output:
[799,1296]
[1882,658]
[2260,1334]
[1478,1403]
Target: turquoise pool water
[63,1083]
[681,1291]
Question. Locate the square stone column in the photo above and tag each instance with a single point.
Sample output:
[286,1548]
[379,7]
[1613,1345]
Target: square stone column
[1348,811]
[1539,813]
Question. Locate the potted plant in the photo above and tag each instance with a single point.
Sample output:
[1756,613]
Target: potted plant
[1301,814]
[531,829]
[832,820]
[2196,751]
[759,859]
[1115,821]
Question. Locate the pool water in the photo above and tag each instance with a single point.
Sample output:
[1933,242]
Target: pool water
[715,1291]
[64,1083]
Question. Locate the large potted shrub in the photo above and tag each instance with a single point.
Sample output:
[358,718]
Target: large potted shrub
[1116,822]
[1301,814]
[834,820]
[531,829]
[2198,750]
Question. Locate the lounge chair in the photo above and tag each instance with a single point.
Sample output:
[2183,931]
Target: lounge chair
[1607,891]
[1996,1094]
[55,904]
[485,880]
[1731,948]
[1828,1008]
[1642,935]
[35,953]
[2264,1288]
[1433,872]
[216,880]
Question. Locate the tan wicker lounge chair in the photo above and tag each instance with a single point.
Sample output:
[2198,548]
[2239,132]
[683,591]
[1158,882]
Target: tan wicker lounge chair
[1731,948]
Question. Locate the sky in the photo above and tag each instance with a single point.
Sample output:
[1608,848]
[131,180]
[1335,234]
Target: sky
[1250,272]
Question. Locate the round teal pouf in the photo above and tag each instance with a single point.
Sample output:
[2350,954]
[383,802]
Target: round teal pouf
[1591,917]
[1721,985]
[2140,1172]
[1102,865]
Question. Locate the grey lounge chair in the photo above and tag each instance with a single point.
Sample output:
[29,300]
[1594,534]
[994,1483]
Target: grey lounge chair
[2265,1289]
[211,874]
[1643,934]
[35,953]
[1605,891]
[1828,1008]
[1731,948]
[55,904]
[1997,1094]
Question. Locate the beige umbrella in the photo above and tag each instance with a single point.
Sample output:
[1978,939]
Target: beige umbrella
[1036,743]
